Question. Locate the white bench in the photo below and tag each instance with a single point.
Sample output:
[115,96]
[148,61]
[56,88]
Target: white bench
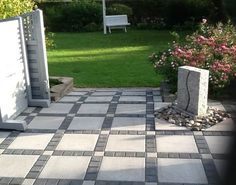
[116,22]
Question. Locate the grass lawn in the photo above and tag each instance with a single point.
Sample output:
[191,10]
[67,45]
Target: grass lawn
[114,60]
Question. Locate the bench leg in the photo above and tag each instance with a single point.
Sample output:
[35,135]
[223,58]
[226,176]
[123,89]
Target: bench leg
[125,30]
[109,30]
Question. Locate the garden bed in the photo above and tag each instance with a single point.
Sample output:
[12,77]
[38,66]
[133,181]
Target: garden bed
[60,86]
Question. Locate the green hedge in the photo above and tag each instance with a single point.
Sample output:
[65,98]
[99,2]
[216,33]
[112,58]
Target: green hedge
[86,15]
[72,17]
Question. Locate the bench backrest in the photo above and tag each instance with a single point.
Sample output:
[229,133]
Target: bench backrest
[116,19]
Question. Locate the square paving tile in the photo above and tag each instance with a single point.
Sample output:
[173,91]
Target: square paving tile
[161,124]
[216,105]
[3,136]
[78,142]
[16,165]
[134,93]
[133,98]
[158,105]
[70,99]
[221,167]
[28,182]
[46,122]
[29,110]
[93,109]
[127,143]
[99,99]
[21,118]
[58,108]
[181,171]
[177,144]
[219,144]
[226,125]
[31,141]
[86,123]
[131,109]
[105,93]
[75,93]
[65,167]
[122,169]
[88,183]
[128,123]
[157,98]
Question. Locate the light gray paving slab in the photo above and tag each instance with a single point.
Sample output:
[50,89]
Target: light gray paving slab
[215,104]
[65,167]
[88,183]
[157,98]
[128,143]
[58,108]
[122,169]
[3,136]
[86,123]
[78,142]
[161,124]
[46,122]
[99,154]
[226,125]
[105,93]
[181,171]
[221,167]
[48,153]
[158,105]
[29,110]
[151,183]
[28,182]
[31,141]
[134,93]
[21,118]
[176,144]
[16,165]
[131,109]
[133,98]
[93,109]
[99,99]
[69,99]
[76,93]
[128,123]
[219,144]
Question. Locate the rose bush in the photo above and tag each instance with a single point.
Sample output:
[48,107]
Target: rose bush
[210,47]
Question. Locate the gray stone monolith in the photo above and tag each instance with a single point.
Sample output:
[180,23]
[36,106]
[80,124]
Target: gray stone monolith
[193,90]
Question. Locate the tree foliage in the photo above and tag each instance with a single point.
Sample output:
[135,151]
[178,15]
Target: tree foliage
[10,8]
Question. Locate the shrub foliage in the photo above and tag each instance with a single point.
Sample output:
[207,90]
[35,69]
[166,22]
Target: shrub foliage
[10,8]
[77,16]
[211,47]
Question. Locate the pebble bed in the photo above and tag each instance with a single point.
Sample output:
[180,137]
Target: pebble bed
[178,117]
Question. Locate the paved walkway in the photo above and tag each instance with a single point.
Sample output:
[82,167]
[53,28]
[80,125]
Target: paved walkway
[110,137]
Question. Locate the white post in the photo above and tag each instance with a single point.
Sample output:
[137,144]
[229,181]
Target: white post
[104,16]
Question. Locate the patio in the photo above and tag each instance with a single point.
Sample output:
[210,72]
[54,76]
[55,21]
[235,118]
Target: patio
[110,136]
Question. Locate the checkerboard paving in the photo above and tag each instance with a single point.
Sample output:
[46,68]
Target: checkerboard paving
[110,137]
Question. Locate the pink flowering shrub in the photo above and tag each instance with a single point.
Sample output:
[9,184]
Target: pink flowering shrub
[211,47]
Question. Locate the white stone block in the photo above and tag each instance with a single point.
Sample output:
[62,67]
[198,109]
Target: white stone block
[193,90]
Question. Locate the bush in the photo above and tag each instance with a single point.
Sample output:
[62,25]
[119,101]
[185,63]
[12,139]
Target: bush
[73,17]
[151,23]
[211,47]
[11,8]
[178,12]
[183,14]
[119,9]
[50,43]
